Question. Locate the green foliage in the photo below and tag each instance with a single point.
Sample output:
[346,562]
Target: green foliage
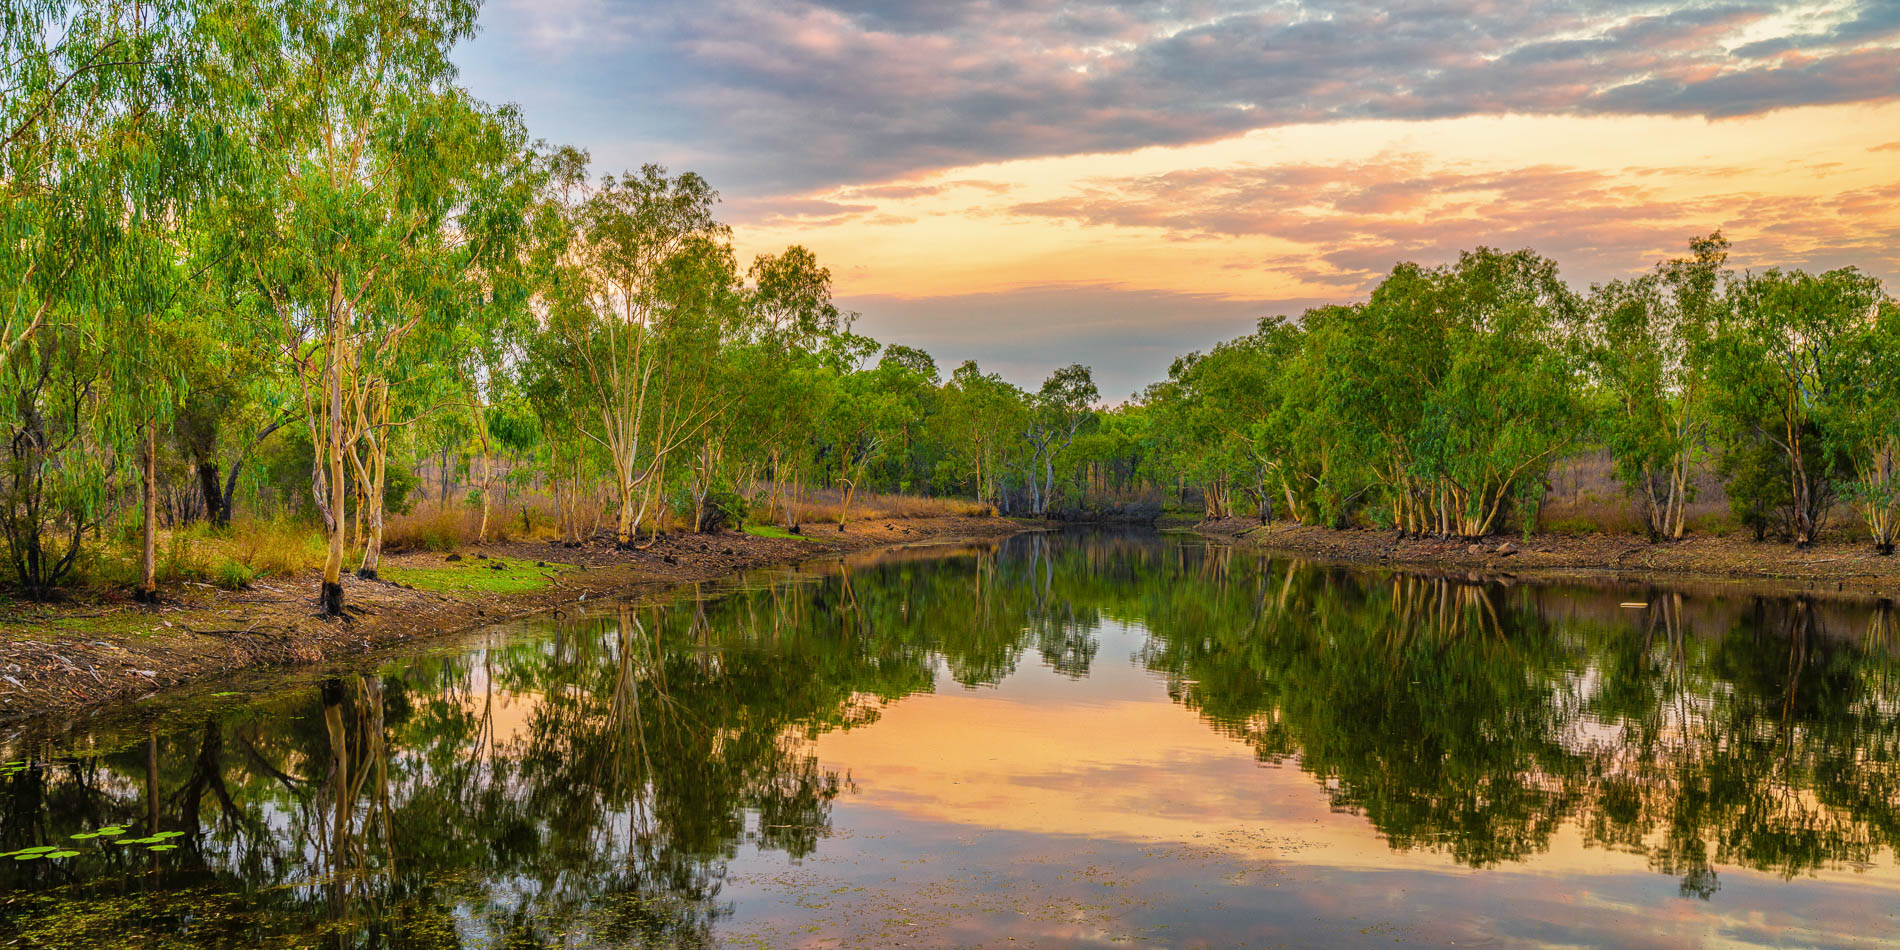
[284,239]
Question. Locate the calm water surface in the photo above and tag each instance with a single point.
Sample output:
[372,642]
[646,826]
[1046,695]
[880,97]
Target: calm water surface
[1075,740]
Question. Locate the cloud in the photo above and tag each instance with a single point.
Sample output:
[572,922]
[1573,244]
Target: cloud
[1360,218]
[1123,333]
[776,96]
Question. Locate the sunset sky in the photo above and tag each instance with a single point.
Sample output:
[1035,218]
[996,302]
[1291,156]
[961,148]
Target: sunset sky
[1035,182]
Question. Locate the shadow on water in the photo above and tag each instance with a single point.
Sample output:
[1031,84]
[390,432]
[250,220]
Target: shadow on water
[591,780]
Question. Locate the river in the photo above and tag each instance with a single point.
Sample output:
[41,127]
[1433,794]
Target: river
[1084,739]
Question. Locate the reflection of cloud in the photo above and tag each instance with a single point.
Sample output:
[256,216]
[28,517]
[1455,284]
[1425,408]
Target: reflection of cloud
[1149,771]
[833,91]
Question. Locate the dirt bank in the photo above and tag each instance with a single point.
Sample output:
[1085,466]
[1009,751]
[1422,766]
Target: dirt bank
[1833,570]
[63,658]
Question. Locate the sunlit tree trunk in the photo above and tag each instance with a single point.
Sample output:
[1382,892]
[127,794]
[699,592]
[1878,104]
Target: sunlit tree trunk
[333,451]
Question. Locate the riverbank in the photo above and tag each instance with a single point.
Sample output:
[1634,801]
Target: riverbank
[1836,570]
[66,657]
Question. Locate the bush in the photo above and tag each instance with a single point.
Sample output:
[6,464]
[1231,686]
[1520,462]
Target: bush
[232,575]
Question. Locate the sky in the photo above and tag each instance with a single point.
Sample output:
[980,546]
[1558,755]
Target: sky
[1031,183]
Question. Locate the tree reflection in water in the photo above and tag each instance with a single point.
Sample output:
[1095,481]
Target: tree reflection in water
[588,781]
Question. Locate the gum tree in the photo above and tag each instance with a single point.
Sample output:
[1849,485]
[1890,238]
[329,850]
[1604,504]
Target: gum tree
[1647,347]
[1784,365]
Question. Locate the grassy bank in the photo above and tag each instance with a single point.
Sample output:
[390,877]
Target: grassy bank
[98,646]
[1835,568]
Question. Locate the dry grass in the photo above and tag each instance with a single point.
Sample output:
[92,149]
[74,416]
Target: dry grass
[439,527]
[825,505]
[1585,497]
[231,557]
[278,546]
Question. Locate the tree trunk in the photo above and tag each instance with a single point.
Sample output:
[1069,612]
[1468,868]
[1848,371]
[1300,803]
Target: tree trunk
[212,488]
[850,489]
[332,596]
[148,554]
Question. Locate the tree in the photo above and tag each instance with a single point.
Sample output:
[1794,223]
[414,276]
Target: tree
[1065,401]
[1863,424]
[640,300]
[1783,365]
[1647,343]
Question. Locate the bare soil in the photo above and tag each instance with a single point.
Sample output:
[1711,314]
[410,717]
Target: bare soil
[65,657]
[1830,569]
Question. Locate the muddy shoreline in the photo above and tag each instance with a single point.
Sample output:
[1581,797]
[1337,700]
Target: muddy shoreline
[67,658]
[1829,570]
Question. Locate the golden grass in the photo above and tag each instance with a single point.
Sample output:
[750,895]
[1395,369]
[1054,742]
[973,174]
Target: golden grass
[825,505]
[439,527]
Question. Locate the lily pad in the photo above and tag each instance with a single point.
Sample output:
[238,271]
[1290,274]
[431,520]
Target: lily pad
[163,847]
[64,854]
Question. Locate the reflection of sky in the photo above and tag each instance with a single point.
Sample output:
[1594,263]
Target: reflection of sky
[889,880]
[1095,811]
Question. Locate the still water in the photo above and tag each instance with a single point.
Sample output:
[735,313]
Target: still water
[1071,740]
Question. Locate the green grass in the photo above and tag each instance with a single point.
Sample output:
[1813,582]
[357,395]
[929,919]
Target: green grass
[478,576]
[774,531]
[40,623]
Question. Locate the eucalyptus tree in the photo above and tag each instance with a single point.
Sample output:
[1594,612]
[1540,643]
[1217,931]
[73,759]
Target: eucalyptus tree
[1866,424]
[1787,366]
[1647,349]
[981,415]
[1508,401]
[869,415]
[1059,409]
[645,287]
[800,340]
[379,188]
[110,139]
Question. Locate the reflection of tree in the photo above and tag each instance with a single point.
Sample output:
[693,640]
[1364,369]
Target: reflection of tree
[588,786]
[591,784]
[1458,716]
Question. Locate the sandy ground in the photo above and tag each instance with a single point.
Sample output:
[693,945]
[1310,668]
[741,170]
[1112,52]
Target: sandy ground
[66,658]
[1836,570]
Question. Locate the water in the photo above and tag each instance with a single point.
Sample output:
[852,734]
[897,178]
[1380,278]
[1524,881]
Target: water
[1076,740]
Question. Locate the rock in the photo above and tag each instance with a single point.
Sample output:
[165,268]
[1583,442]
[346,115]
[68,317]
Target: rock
[481,557]
[453,557]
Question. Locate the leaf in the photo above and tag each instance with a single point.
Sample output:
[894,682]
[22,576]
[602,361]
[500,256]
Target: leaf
[163,847]
[64,854]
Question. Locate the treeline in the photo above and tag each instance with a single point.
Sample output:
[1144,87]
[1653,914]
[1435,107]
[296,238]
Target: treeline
[1439,405]
[270,251]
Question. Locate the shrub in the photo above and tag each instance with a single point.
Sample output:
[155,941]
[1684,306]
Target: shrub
[232,574]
